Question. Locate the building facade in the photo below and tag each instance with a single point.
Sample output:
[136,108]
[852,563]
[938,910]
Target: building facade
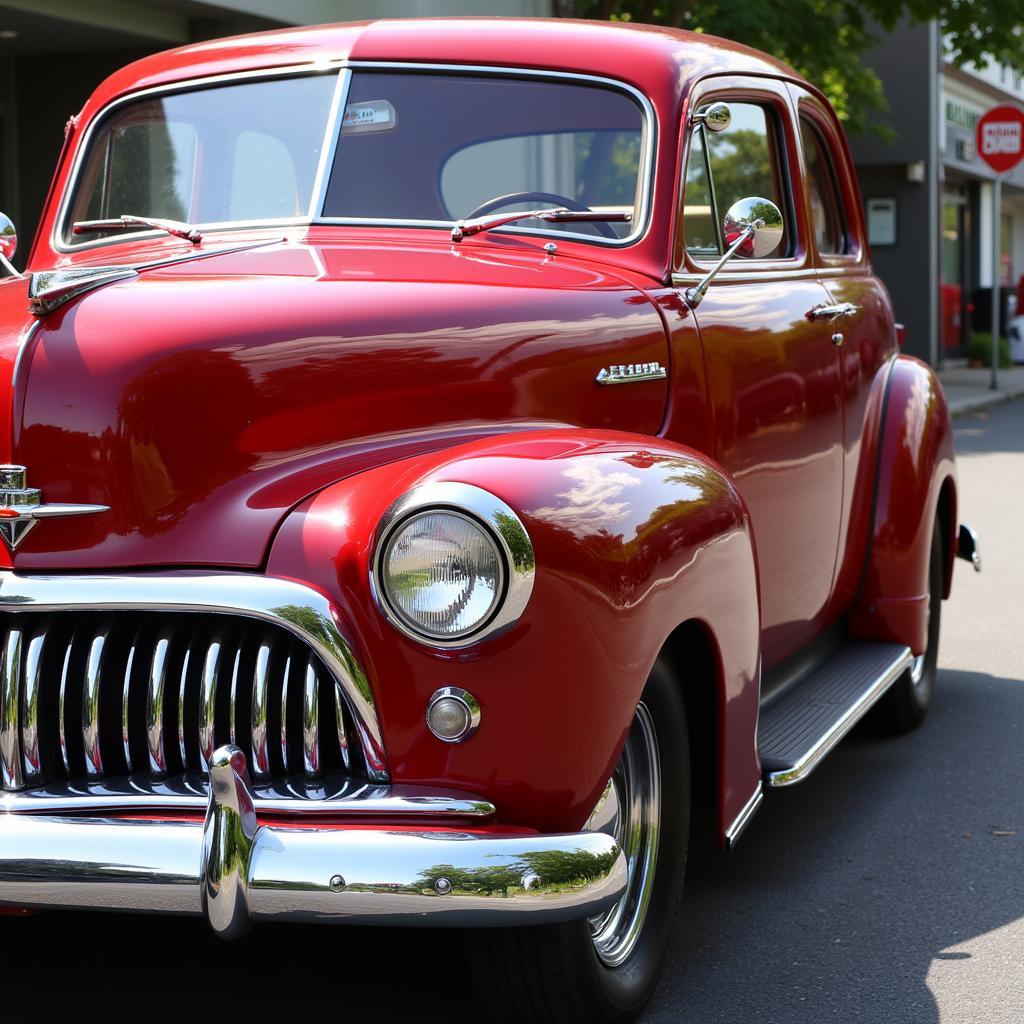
[928,195]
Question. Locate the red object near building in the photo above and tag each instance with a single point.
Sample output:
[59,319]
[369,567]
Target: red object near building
[409,504]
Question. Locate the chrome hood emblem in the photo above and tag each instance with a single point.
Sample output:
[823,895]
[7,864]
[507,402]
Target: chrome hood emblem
[21,507]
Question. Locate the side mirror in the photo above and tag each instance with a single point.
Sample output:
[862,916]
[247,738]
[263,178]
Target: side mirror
[8,244]
[8,237]
[751,229]
[759,221]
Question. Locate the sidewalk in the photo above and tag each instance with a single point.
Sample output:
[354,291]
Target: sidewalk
[967,388]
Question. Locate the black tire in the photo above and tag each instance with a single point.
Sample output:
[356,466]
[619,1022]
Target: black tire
[553,973]
[905,704]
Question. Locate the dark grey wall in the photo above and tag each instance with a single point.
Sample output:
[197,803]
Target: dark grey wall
[909,269]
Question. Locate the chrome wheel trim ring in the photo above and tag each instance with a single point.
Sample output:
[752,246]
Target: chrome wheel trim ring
[630,811]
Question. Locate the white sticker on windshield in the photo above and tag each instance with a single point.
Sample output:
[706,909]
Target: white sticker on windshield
[373,116]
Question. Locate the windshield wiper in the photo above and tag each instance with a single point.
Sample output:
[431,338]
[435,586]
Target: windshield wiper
[127,221]
[465,228]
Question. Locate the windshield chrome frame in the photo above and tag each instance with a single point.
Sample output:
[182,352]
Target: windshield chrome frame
[314,215]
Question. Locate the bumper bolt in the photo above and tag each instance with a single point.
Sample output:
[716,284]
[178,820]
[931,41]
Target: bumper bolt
[442,887]
[338,883]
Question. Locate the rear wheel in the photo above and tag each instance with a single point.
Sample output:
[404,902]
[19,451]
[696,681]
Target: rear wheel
[605,969]
[906,702]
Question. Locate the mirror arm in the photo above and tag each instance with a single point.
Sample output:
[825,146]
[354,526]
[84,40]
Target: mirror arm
[695,294]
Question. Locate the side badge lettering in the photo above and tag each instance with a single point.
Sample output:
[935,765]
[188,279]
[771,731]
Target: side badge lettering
[631,373]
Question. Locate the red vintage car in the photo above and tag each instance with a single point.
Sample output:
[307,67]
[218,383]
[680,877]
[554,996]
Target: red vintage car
[444,459]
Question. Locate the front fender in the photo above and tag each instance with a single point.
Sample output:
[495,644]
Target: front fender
[915,466]
[632,536]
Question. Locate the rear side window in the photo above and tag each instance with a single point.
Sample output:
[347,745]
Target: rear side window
[723,167]
[826,209]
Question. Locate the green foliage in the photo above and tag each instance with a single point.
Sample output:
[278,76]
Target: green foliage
[979,349]
[825,39]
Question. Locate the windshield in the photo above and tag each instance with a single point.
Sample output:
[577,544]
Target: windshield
[413,148]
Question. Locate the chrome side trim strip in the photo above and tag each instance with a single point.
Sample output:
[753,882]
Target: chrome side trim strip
[235,871]
[302,611]
[10,699]
[825,743]
[735,830]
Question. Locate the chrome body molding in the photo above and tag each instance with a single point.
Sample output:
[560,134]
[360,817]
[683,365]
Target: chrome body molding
[301,610]
[502,525]
[853,714]
[631,373]
[338,797]
[235,871]
[735,830]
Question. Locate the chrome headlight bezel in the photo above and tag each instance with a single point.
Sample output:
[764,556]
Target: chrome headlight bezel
[501,525]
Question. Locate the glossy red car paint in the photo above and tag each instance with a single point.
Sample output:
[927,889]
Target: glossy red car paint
[261,410]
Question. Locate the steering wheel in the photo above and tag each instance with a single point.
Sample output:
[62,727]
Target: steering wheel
[549,199]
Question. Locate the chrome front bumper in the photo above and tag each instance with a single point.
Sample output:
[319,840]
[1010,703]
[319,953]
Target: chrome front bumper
[235,871]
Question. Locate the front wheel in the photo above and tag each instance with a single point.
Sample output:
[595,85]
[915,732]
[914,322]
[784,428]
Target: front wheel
[606,968]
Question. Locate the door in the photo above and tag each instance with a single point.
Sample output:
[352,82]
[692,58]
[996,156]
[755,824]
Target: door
[773,372]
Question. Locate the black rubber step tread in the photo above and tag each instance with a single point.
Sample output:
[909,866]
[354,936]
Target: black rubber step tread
[797,730]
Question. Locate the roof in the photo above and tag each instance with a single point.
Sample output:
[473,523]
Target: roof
[659,61]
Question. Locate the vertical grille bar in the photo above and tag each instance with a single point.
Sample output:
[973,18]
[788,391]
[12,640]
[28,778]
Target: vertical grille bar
[284,712]
[233,711]
[155,707]
[260,752]
[208,703]
[10,681]
[62,707]
[311,723]
[91,707]
[181,708]
[30,707]
[125,697]
[339,713]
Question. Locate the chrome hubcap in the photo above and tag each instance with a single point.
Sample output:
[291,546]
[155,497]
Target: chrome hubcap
[629,810]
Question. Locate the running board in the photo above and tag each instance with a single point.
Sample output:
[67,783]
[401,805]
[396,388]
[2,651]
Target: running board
[801,727]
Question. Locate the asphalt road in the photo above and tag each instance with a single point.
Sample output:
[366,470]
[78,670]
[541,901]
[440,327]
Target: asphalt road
[887,888]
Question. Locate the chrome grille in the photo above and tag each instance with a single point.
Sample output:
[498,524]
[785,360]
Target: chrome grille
[101,695]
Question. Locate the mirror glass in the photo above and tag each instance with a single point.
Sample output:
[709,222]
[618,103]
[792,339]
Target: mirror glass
[8,237]
[766,218]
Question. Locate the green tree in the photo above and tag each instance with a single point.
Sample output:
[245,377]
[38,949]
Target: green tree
[825,39]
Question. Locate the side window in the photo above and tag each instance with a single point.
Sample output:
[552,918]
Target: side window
[826,209]
[723,167]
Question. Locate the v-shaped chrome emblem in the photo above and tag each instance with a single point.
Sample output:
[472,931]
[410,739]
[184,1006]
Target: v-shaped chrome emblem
[21,507]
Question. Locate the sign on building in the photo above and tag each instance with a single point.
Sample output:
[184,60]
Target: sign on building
[999,137]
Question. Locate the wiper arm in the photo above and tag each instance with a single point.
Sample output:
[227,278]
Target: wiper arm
[465,228]
[127,221]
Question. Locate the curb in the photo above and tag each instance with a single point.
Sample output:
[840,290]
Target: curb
[965,406]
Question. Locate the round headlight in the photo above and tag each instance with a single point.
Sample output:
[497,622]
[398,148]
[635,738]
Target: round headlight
[442,574]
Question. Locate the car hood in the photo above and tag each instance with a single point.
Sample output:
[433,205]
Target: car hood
[202,400]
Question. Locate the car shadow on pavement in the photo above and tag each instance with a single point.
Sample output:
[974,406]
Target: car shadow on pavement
[848,889]
[837,901]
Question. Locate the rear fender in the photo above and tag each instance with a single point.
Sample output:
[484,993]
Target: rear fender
[632,536]
[915,467]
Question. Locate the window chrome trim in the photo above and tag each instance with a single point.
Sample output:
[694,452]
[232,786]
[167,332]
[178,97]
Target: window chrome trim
[315,214]
[304,612]
[186,85]
[496,519]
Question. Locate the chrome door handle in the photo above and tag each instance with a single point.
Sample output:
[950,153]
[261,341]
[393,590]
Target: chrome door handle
[830,313]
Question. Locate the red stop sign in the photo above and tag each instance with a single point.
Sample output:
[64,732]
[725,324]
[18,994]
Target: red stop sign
[999,137]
